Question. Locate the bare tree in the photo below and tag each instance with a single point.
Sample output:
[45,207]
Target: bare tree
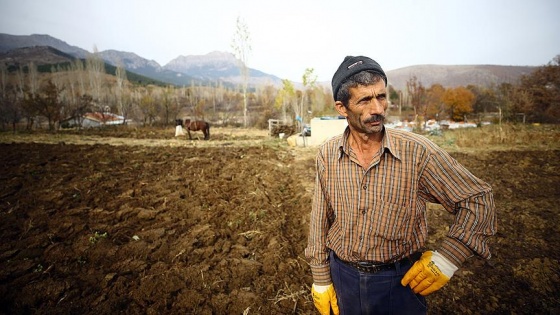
[33,78]
[3,79]
[10,113]
[71,84]
[168,103]
[84,105]
[96,69]
[242,49]
[123,99]
[22,99]
[282,98]
[48,103]
[3,100]
[78,72]
[218,97]
[20,82]
[147,105]
[309,80]
[417,93]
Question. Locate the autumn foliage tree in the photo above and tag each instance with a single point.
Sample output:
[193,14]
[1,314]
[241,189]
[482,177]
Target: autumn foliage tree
[434,104]
[458,102]
[85,86]
[543,88]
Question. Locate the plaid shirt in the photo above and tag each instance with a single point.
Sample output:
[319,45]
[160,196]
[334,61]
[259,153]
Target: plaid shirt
[379,214]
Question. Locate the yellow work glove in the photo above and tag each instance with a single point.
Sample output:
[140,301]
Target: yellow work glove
[429,274]
[324,298]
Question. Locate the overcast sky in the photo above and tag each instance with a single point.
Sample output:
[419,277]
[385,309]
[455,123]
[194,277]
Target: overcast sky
[288,36]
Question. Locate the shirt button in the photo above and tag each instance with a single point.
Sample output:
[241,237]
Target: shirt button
[364,187]
[364,211]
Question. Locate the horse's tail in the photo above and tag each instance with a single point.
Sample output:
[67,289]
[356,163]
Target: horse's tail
[207,130]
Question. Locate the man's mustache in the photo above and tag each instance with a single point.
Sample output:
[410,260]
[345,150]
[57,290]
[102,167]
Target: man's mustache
[375,118]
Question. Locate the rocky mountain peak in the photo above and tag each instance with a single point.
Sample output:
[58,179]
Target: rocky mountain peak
[215,59]
[128,59]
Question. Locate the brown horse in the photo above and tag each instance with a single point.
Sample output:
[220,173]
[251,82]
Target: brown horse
[198,125]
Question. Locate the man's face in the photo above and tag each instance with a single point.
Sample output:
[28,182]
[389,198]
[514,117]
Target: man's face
[366,108]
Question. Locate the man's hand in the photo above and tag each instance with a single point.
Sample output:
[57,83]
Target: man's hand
[429,274]
[324,298]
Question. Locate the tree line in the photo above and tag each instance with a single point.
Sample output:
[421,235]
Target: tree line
[34,98]
[535,98]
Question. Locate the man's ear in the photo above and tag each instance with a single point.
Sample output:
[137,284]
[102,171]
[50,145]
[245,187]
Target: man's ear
[341,109]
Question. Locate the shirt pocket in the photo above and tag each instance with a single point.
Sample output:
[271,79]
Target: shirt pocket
[388,221]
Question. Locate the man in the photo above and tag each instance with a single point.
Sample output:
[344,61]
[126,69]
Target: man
[368,219]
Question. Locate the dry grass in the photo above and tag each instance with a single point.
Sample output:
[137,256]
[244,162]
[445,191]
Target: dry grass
[492,137]
[291,295]
[504,137]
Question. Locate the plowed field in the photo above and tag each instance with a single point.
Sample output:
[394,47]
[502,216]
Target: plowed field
[143,223]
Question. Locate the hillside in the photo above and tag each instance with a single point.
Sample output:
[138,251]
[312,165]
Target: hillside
[45,57]
[458,75]
[10,42]
[39,55]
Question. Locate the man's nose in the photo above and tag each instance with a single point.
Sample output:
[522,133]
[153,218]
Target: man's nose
[376,106]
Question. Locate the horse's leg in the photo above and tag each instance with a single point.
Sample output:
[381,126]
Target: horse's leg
[189,131]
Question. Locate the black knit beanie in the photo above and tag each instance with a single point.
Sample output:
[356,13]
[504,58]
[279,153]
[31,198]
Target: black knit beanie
[352,65]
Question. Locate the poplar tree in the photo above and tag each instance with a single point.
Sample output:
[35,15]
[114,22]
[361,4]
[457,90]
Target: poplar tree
[417,93]
[285,97]
[242,49]
[96,70]
[309,80]
[122,92]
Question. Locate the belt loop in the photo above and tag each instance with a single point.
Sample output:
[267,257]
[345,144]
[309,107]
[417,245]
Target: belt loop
[398,267]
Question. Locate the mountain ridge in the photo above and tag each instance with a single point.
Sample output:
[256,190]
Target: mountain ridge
[39,55]
[224,67]
[457,75]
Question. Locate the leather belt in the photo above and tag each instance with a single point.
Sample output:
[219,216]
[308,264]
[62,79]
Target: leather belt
[374,267]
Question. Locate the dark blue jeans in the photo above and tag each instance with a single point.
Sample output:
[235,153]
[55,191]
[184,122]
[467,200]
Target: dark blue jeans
[374,293]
